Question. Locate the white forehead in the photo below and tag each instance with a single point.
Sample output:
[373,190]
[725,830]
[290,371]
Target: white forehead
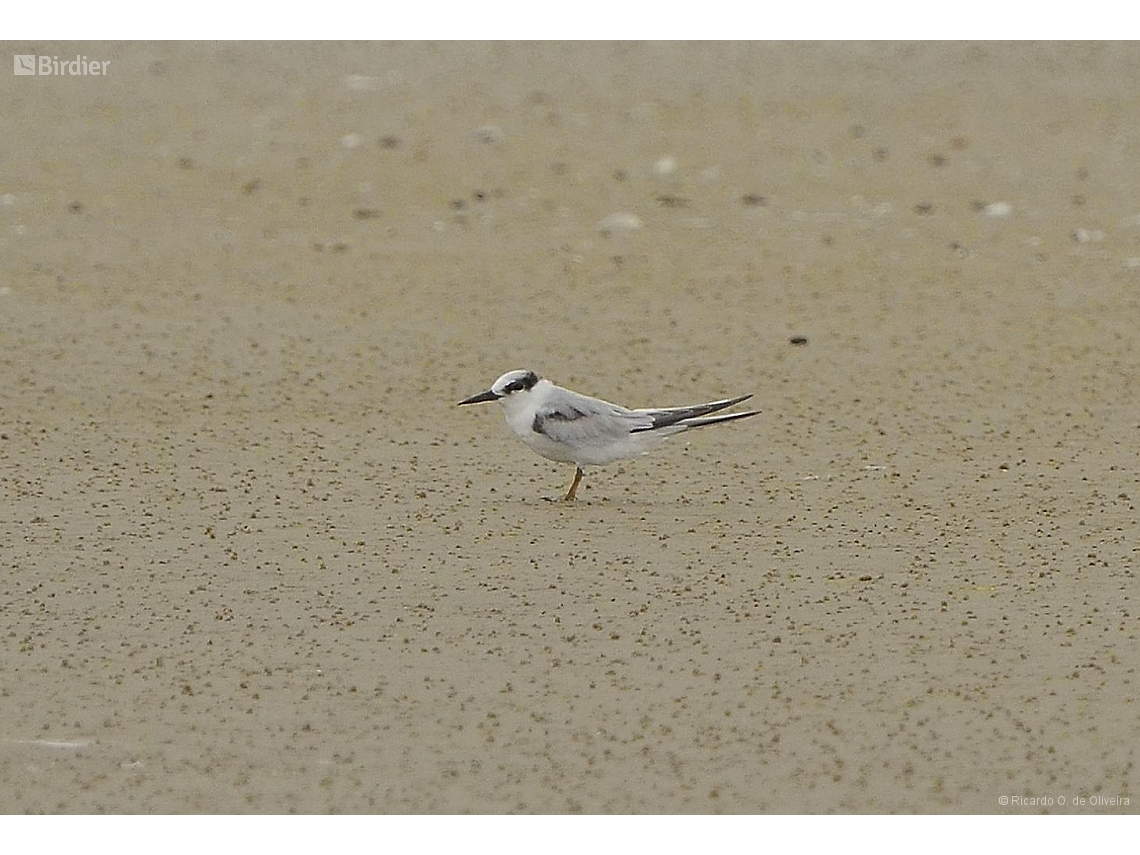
[514,381]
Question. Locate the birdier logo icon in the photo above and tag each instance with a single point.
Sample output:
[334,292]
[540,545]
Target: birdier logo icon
[48,66]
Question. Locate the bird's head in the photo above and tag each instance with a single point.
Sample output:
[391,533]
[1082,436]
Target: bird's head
[512,383]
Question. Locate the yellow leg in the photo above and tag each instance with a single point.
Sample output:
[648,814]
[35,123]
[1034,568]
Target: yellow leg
[569,497]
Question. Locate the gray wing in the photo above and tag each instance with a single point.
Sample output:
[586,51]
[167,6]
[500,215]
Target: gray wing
[579,420]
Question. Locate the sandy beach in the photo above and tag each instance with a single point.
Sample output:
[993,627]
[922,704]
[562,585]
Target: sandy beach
[253,559]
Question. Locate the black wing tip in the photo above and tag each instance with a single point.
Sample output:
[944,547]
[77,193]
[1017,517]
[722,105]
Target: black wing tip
[723,404]
[705,421]
[727,417]
[730,416]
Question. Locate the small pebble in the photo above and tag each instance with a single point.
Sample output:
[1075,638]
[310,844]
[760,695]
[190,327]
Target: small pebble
[619,222]
[1087,235]
[361,82]
[489,134]
[798,339]
[351,141]
[998,209]
[666,165]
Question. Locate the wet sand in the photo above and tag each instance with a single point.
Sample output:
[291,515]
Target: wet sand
[255,559]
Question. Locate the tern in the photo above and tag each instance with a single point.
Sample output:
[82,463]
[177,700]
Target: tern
[569,427]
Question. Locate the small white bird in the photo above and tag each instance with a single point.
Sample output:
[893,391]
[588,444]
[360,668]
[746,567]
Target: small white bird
[571,428]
